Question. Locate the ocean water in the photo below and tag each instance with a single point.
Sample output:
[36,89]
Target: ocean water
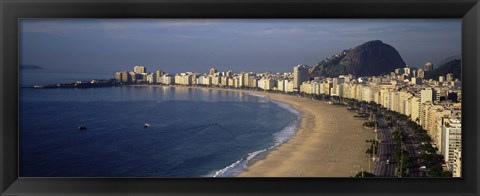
[194,132]
[63,74]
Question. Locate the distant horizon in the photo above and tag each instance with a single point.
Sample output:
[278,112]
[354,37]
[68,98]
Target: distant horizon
[250,45]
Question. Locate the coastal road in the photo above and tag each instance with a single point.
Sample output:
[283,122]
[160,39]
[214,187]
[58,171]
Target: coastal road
[385,150]
[411,145]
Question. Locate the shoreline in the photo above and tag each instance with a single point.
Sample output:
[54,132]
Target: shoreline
[328,142]
[317,148]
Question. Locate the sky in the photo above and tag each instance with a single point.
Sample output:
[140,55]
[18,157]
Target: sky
[259,45]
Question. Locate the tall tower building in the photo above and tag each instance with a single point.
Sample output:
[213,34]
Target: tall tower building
[451,140]
[118,76]
[213,71]
[158,76]
[428,66]
[126,77]
[421,73]
[457,162]
[441,78]
[406,70]
[450,77]
[427,95]
[139,69]
[300,74]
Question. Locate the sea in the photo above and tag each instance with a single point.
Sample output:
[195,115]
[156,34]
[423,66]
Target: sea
[193,132]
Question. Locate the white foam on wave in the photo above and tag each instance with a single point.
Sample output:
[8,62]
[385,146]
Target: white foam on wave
[237,167]
[256,95]
[279,137]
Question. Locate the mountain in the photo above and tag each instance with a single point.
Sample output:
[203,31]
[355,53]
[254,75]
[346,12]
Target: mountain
[446,60]
[30,67]
[452,66]
[369,59]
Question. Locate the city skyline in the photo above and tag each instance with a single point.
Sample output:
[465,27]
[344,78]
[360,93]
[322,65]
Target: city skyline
[433,108]
[181,45]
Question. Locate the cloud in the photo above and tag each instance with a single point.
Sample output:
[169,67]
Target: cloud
[315,37]
[58,26]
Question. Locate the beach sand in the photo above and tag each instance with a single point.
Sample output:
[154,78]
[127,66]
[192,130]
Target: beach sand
[329,142]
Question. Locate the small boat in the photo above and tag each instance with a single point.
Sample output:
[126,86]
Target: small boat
[82,127]
[146,125]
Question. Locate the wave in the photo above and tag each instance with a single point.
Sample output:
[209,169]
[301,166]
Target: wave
[287,107]
[256,95]
[237,167]
[279,137]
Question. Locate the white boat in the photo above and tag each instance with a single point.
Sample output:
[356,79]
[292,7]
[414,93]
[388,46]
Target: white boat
[146,125]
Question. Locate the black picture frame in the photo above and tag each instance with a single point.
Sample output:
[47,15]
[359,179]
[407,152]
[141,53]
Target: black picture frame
[13,10]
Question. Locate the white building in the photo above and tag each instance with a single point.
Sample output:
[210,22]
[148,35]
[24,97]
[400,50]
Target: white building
[168,79]
[139,69]
[427,95]
[150,78]
[300,74]
[457,162]
[451,140]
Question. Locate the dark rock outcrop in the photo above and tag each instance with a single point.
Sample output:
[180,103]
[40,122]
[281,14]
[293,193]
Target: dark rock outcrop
[369,59]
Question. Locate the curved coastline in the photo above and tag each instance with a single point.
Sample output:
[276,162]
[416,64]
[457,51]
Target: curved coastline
[329,142]
[279,137]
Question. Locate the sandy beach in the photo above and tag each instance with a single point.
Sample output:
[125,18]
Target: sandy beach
[329,142]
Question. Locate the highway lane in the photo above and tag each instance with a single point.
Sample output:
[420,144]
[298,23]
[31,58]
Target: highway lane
[411,145]
[385,150]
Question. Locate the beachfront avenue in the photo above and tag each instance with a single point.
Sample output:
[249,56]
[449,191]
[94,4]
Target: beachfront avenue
[418,121]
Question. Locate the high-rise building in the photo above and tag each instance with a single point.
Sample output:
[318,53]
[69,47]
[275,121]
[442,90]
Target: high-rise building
[118,76]
[451,140]
[150,78]
[416,80]
[158,75]
[450,77]
[139,69]
[252,81]
[213,71]
[441,78]
[452,96]
[300,74]
[126,77]
[457,162]
[168,79]
[246,80]
[415,112]
[133,77]
[427,95]
[406,70]
[428,66]
[216,80]
[229,73]
[421,73]
[224,81]
[281,85]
